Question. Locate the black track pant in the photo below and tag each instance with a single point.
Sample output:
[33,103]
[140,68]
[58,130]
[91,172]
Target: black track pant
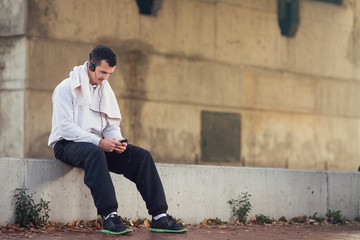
[135,163]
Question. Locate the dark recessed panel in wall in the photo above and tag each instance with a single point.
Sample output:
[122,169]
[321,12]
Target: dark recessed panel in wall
[149,7]
[288,17]
[220,136]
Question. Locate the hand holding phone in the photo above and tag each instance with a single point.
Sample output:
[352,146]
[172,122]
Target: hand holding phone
[120,148]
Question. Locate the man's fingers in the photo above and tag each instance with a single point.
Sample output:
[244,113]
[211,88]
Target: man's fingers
[120,149]
[111,144]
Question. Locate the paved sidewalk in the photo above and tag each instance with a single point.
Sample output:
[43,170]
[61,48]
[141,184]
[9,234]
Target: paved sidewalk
[199,232]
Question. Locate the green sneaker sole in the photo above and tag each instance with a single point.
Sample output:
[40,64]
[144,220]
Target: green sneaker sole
[123,232]
[167,230]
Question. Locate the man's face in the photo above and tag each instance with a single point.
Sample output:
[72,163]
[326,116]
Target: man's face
[102,72]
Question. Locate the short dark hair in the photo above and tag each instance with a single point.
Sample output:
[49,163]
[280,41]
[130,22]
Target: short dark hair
[103,53]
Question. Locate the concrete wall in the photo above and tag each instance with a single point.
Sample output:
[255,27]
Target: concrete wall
[298,97]
[193,192]
[12,76]
[12,96]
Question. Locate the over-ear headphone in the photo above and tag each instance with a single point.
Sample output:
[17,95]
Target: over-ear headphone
[91,64]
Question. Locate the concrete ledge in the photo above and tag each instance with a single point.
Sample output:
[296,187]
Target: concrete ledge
[194,192]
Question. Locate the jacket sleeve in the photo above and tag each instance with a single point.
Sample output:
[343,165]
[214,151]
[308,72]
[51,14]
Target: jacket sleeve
[112,129]
[63,104]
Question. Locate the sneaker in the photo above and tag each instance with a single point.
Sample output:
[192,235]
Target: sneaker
[114,225]
[166,224]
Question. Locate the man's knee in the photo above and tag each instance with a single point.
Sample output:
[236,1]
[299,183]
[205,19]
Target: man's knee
[143,154]
[140,156]
[95,156]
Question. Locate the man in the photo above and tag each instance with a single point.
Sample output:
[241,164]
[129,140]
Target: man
[86,134]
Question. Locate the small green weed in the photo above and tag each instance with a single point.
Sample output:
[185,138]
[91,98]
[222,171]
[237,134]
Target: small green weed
[212,221]
[241,208]
[299,219]
[335,217]
[284,219]
[316,218]
[28,214]
[262,219]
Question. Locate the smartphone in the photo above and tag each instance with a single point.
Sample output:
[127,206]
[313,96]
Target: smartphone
[124,140]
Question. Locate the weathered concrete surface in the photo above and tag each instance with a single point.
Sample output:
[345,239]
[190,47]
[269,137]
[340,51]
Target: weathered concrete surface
[12,94]
[193,192]
[12,17]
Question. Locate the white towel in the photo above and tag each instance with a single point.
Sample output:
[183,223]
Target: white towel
[103,100]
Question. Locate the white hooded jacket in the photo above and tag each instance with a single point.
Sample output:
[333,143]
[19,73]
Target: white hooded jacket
[83,112]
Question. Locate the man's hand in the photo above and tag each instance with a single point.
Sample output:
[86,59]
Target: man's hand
[121,147]
[109,144]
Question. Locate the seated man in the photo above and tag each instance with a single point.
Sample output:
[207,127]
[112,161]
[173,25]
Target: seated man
[86,134]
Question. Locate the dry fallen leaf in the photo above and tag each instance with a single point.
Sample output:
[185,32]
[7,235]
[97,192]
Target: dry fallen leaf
[146,223]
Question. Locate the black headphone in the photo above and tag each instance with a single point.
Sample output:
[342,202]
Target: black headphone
[91,64]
